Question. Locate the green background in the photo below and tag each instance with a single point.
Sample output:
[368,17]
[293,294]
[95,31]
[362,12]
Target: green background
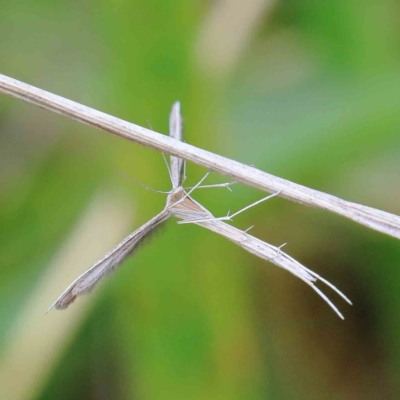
[305,90]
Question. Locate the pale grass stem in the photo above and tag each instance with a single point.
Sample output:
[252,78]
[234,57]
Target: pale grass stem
[372,218]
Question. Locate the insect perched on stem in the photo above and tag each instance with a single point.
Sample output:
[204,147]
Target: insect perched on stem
[181,205]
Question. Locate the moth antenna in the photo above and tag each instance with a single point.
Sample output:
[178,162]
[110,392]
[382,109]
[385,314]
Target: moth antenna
[168,167]
[163,155]
[140,183]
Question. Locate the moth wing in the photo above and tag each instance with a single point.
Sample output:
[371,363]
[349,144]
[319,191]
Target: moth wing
[110,262]
[176,132]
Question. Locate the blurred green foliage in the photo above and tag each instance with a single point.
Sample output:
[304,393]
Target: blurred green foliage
[314,97]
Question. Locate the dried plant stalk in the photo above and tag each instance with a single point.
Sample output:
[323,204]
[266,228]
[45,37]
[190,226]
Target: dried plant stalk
[372,218]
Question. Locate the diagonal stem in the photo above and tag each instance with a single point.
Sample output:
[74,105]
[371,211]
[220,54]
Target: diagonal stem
[372,218]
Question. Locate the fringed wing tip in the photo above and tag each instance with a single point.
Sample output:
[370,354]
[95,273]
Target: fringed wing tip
[63,302]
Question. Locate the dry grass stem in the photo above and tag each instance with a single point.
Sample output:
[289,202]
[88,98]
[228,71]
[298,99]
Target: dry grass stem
[372,218]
